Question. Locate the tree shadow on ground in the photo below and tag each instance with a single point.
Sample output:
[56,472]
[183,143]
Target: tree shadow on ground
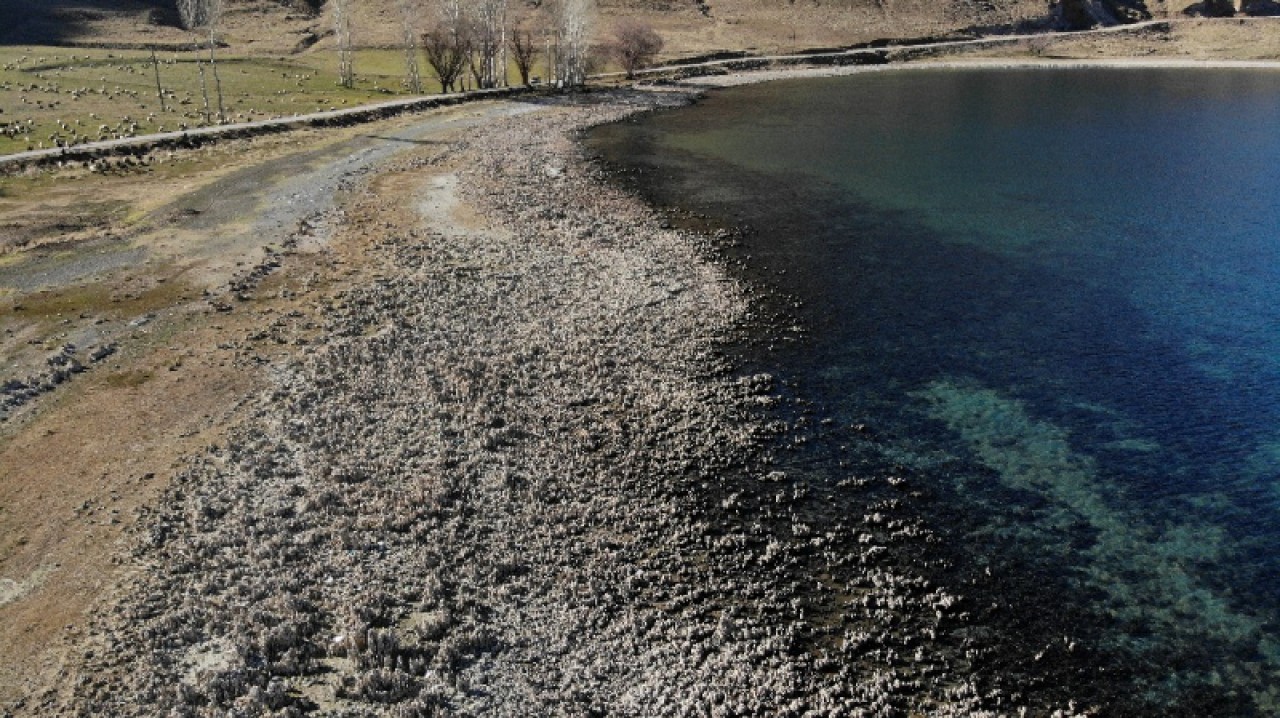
[404,140]
[1259,8]
[53,22]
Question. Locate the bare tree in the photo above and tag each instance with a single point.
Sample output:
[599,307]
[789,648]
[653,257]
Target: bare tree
[523,50]
[572,19]
[214,10]
[502,46]
[410,36]
[489,42]
[196,14]
[446,50]
[155,65]
[342,27]
[204,91]
[191,14]
[475,65]
[634,45]
[460,21]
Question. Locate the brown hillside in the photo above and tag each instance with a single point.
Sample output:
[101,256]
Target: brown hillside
[689,26]
[275,26]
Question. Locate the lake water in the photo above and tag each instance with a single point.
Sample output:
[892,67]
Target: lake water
[1053,297]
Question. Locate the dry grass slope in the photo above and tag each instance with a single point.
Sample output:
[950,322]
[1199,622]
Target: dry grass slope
[275,26]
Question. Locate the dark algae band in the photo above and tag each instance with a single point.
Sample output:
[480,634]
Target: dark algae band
[1040,306]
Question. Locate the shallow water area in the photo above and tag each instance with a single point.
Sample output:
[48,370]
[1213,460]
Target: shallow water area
[1054,298]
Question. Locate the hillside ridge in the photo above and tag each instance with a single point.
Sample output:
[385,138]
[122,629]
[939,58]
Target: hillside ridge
[289,26]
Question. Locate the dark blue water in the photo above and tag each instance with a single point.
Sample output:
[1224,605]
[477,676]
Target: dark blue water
[1055,296]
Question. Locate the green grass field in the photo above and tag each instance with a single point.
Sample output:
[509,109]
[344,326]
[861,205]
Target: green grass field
[64,96]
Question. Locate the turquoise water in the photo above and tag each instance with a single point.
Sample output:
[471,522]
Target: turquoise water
[1055,297]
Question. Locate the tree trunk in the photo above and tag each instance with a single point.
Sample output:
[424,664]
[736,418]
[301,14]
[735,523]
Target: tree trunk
[502,45]
[155,65]
[342,22]
[217,81]
[204,90]
[410,33]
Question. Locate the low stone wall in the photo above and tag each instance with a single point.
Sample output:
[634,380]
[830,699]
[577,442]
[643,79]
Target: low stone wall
[139,146]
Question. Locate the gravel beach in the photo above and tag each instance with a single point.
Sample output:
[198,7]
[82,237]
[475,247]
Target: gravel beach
[516,473]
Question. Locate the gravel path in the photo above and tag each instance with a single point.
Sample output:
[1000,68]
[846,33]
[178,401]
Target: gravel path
[244,221]
[516,476]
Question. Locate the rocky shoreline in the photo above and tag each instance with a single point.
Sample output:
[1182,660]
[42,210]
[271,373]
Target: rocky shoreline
[515,473]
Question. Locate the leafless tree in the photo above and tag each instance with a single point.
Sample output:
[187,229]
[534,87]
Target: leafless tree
[502,47]
[572,28]
[410,35]
[447,50]
[205,14]
[155,65]
[191,14]
[204,91]
[488,64]
[455,16]
[634,45]
[523,50]
[214,8]
[342,27]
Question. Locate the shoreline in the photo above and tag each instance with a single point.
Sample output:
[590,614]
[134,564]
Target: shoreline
[525,407]
[514,473]
[1008,603]
[734,79]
